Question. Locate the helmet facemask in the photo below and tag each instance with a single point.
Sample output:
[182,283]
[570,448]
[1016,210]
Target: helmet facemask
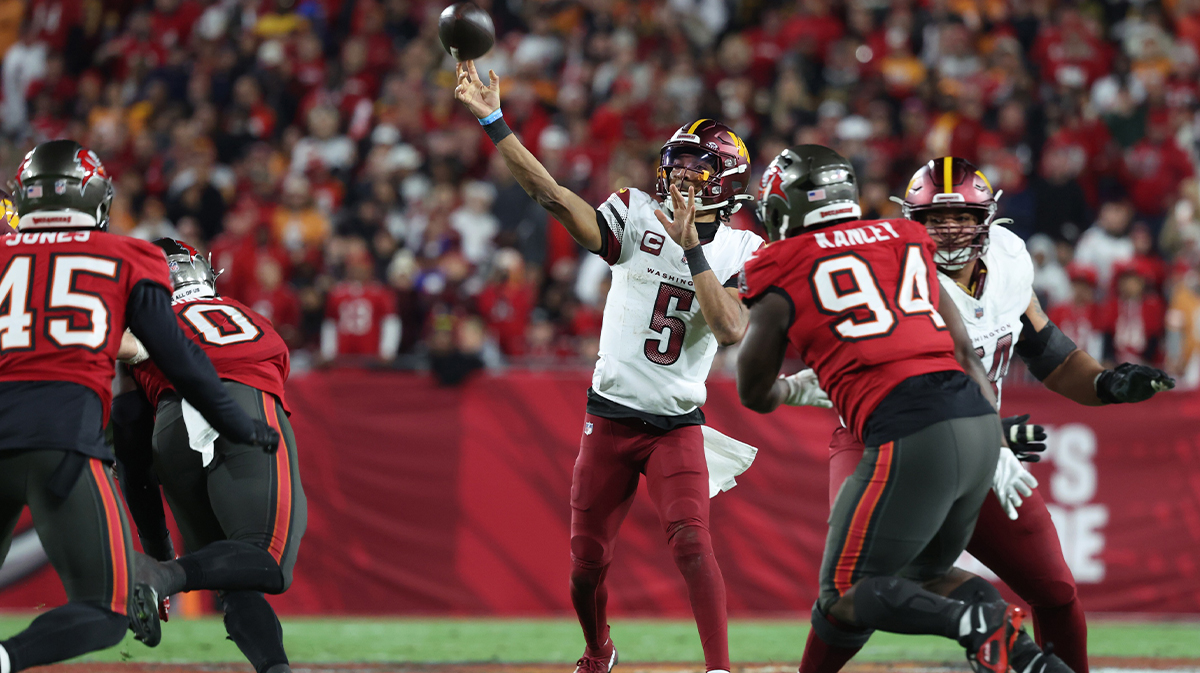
[959,240]
[716,164]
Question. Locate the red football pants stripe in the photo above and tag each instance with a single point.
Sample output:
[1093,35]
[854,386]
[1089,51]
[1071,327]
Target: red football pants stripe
[116,537]
[283,489]
[856,537]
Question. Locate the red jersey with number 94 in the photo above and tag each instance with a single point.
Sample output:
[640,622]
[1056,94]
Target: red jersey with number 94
[62,304]
[242,345]
[865,298]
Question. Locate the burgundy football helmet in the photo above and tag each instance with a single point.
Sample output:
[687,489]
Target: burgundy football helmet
[950,183]
[723,182]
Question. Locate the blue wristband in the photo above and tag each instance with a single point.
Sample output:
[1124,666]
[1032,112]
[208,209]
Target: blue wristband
[491,118]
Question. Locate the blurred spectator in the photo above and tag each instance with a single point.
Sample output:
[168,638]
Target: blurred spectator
[1107,242]
[24,63]
[1152,169]
[275,301]
[1081,318]
[360,314]
[507,301]
[1134,317]
[1183,330]
[297,223]
[1060,205]
[1050,281]
[474,221]
[455,353]
[154,224]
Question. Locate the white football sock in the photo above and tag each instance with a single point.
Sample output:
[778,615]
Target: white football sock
[5,665]
[718,670]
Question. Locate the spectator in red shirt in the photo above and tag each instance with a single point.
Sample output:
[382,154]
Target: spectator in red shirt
[1152,169]
[506,302]
[360,314]
[276,301]
[172,21]
[1081,318]
[1134,318]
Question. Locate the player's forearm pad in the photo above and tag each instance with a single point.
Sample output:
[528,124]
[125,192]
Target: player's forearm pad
[1043,351]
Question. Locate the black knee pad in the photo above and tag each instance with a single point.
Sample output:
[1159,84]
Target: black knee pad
[837,635]
[975,590]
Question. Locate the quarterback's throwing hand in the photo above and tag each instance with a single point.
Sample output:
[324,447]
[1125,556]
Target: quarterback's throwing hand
[681,229]
[480,100]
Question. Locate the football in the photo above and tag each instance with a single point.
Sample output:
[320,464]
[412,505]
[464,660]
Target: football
[466,31]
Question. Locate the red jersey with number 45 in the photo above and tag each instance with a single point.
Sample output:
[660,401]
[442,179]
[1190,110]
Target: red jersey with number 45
[242,345]
[864,296]
[62,304]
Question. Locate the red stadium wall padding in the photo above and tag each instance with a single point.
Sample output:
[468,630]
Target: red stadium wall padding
[426,500]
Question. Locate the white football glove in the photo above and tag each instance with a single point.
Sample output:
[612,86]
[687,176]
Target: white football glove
[1012,482]
[805,391]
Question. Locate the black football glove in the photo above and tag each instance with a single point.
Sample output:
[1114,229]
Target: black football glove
[265,436]
[1025,439]
[1131,383]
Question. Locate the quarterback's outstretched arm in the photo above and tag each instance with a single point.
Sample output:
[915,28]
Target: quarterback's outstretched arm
[964,350]
[566,206]
[720,305]
[1066,369]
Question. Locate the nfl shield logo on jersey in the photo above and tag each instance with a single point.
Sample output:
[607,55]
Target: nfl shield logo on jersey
[587,428]
[60,186]
[978,312]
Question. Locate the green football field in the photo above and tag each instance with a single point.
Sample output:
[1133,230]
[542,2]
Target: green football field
[558,640]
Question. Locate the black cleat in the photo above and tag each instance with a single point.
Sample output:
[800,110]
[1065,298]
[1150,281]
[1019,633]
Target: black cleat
[159,576]
[279,668]
[993,632]
[1042,661]
[143,615]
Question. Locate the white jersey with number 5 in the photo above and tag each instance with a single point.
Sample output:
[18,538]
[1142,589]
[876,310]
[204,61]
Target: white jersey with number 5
[655,347]
[994,320]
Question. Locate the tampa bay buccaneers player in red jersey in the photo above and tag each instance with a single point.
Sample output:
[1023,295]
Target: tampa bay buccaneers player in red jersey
[68,289]
[241,510]
[861,302]
[988,274]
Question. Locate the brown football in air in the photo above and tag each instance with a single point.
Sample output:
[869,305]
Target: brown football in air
[466,31]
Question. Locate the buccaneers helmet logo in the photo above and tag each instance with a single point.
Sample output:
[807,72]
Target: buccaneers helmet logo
[90,164]
[772,184]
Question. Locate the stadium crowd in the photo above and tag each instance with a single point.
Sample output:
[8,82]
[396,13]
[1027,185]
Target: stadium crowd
[316,149]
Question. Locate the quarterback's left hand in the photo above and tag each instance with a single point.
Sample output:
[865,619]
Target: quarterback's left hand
[1012,483]
[803,390]
[682,228]
[1025,439]
[1131,383]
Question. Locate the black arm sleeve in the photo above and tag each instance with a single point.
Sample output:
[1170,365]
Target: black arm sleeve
[185,365]
[133,432]
[1043,351]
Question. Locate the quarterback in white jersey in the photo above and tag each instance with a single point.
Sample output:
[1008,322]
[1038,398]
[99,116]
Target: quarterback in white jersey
[671,302]
[655,346]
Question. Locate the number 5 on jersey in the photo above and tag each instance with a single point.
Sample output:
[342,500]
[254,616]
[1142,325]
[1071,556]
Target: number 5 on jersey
[845,284]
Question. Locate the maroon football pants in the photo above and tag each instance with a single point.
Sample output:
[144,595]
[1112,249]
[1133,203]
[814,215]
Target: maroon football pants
[1025,554]
[612,456]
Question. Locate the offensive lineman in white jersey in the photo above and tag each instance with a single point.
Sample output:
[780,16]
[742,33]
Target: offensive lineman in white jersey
[657,343]
[988,273]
